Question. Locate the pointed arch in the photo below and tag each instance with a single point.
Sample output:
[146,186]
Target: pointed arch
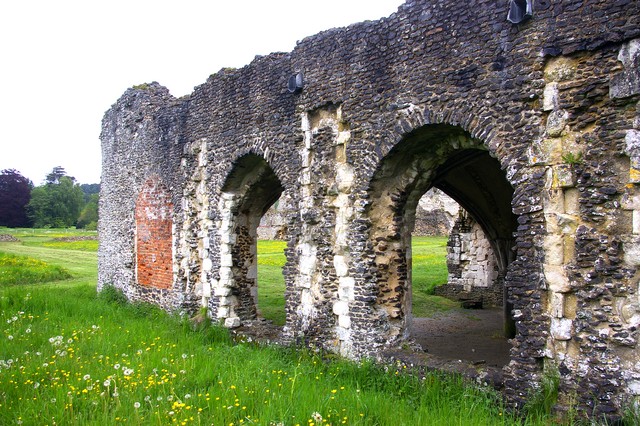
[448,158]
[251,187]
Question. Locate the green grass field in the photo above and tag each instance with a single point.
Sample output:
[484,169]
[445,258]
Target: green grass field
[71,357]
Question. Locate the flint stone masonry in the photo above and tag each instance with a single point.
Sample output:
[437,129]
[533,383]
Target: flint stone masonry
[531,128]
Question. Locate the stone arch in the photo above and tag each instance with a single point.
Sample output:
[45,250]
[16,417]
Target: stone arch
[251,187]
[154,235]
[451,159]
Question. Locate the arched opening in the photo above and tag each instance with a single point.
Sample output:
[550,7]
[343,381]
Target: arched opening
[272,232]
[251,189]
[448,158]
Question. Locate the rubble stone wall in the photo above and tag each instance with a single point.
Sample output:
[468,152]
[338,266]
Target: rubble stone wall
[533,128]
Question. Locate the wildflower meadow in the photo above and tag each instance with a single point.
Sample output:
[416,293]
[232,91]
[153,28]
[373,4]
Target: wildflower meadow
[70,356]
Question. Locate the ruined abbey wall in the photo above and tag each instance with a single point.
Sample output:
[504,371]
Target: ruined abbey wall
[533,128]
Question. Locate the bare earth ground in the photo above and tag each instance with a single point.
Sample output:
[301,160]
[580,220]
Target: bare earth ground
[474,335]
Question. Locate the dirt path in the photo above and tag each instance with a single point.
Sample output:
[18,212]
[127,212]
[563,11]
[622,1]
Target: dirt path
[474,335]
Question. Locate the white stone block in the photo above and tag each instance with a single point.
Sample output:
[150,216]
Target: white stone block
[550,96]
[226,196]
[341,307]
[207,264]
[343,137]
[346,287]
[206,289]
[634,386]
[232,322]
[344,177]
[225,274]
[341,266]
[305,178]
[227,238]
[344,321]
[556,122]
[225,249]
[228,300]
[343,333]
[307,262]
[636,221]
[225,225]
[304,281]
[306,299]
[554,249]
[632,251]
[222,291]
[226,260]
[567,223]
[557,305]
[561,328]
[223,312]
[632,141]
[556,278]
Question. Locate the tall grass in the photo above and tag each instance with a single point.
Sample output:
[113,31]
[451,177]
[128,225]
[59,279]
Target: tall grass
[69,356]
[26,270]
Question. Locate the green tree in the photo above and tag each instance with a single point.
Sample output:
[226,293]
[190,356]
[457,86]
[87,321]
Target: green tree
[89,189]
[89,215]
[56,174]
[57,203]
[15,192]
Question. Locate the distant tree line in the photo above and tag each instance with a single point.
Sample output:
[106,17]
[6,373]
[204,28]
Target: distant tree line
[60,202]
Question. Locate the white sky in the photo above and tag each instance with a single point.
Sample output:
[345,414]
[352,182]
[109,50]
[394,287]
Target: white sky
[64,63]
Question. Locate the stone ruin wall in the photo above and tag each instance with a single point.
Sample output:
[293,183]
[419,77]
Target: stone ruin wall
[534,128]
[474,276]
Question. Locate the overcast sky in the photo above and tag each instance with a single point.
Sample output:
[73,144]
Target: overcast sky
[64,63]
